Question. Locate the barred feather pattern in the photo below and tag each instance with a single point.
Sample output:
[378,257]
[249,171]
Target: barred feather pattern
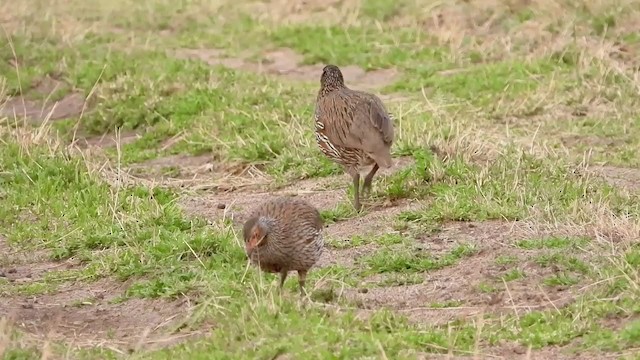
[352,128]
[294,239]
[351,158]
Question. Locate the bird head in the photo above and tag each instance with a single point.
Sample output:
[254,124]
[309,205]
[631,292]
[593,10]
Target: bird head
[331,77]
[255,234]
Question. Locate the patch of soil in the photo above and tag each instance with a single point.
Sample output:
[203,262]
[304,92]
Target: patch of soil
[573,141]
[459,283]
[37,112]
[174,166]
[373,223]
[105,141]
[344,257]
[618,322]
[566,352]
[177,160]
[237,206]
[287,63]
[47,85]
[25,267]
[34,269]
[324,193]
[627,178]
[87,314]
[513,352]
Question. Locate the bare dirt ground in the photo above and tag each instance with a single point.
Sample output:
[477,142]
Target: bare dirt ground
[620,177]
[460,283]
[37,111]
[87,313]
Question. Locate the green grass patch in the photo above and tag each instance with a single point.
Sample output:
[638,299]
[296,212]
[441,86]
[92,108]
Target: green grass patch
[408,260]
[506,260]
[486,288]
[561,280]
[360,240]
[481,84]
[235,115]
[513,275]
[341,212]
[446,304]
[563,261]
[52,202]
[368,47]
[22,64]
[412,181]
[381,10]
[510,188]
[553,242]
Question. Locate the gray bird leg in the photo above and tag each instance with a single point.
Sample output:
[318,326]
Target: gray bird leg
[366,186]
[283,277]
[356,191]
[302,279]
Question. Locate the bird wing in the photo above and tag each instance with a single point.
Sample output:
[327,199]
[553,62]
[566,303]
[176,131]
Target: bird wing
[357,120]
[375,120]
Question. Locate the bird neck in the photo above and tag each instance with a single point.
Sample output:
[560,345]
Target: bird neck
[330,87]
[267,224]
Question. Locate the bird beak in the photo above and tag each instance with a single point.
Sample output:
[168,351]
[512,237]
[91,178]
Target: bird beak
[250,245]
[253,243]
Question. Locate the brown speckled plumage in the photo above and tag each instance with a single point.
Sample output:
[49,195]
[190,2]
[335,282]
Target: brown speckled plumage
[284,234]
[353,128]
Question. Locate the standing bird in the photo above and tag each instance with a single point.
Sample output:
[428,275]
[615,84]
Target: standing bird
[353,128]
[282,235]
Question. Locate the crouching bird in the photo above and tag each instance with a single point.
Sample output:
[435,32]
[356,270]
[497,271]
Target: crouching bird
[284,234]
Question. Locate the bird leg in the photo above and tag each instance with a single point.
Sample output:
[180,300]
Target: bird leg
[366,186]
[302,278]
[283,277]
[356,192]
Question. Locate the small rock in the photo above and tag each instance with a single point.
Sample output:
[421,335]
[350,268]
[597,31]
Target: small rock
[579,112]
[421,247]
[519,350]
[363,290]
[495,299]
[221,206]
[27,306]
[12,271]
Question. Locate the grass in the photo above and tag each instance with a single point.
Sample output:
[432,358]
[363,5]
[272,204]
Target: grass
[408,260]
[514,274]
[359,240]
[502,112]
[552,243]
